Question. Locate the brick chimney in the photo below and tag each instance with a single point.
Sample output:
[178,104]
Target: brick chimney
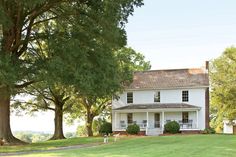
[207,99]
[207,65]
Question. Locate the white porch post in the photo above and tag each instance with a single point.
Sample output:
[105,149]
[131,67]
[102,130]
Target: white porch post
[147,123]
[197,119]
[162,120]
[115,120]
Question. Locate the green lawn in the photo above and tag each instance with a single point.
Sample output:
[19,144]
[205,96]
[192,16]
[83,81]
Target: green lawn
[50,144]
[163,146]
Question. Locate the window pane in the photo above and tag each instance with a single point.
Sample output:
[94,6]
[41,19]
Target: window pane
[157,97]
[130,97]
[185,96]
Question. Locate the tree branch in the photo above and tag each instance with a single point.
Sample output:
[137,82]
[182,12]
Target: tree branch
[25,84]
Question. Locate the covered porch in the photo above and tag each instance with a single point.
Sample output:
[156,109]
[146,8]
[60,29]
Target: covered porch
[152,121]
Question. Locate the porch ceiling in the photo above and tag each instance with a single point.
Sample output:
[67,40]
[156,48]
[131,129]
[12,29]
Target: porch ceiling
[158,106]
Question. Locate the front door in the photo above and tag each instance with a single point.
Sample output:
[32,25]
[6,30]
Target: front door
[157,120]
[130,118]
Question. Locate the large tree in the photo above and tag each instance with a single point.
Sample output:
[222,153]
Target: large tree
[93,104]
[56,98]
[223,86]
[31,32]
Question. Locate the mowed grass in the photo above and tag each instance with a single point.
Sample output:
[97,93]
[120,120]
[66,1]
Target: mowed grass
[163,146]
[47,145]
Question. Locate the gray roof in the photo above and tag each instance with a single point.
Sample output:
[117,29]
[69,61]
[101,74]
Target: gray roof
[157,106]
[172,78]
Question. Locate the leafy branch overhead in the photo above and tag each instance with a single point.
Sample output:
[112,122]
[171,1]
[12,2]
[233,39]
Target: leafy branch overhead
[223,83]
[56,41]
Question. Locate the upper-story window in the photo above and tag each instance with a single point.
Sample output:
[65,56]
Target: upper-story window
[130,97]
[157,96]
[185,96]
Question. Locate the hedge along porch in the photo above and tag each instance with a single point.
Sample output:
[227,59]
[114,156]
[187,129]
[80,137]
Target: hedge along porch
[152,119]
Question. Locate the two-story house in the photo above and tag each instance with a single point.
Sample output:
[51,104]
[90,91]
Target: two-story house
[156,97]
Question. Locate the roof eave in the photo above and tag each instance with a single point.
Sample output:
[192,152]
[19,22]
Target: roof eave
[167,88]
[157,109]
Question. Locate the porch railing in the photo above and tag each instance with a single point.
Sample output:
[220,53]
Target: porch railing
[142,125]
[188,124]
[157,124]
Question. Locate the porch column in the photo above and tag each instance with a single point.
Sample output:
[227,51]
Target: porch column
[162,120]
[147,123]
[197,119]
[115,121]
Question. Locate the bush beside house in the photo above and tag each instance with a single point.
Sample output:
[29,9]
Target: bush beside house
[133,129]
[209,131]
[172,127]
[105,128]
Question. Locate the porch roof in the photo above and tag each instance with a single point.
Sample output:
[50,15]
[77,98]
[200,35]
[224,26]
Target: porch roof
[158,106]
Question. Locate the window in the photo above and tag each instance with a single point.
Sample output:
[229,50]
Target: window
[130,97]
[157,97]
[185,96]
[129,118]
[185,117]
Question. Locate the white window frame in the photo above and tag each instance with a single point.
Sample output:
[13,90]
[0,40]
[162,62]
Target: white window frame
[185,96]
[128,99]
[157,96]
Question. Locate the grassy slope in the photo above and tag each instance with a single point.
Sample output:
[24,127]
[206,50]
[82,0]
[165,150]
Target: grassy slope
[50,144]
[165,146]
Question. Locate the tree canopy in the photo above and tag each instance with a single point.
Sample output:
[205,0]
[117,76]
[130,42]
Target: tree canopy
[223,86]
[58,41]
[91,105]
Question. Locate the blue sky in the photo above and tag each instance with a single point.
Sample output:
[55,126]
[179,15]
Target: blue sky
[171,34]
[183,33]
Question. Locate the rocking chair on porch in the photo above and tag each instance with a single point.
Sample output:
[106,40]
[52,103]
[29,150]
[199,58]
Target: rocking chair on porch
[144,123]
[122,124]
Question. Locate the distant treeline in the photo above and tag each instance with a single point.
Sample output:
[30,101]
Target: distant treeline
[32,137]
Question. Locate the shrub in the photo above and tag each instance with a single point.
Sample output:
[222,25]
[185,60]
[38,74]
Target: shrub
[105,128]
[133,129]
[171,127]
[209,131]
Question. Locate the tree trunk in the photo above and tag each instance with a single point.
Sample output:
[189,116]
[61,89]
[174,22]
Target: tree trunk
[89,123]
[58,122]
[5,128]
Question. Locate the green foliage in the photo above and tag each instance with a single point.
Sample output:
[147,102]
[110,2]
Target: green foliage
[171,127]
[130,59]
[81,131]
[97,122]
[93,104]
[25,137]
[223,87]
[69,42]
[105,128]
[209,131]
[133,129]
[70,135]
[32,137]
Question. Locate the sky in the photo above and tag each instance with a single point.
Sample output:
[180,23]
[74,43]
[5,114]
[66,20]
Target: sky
[183,33]
[170,34]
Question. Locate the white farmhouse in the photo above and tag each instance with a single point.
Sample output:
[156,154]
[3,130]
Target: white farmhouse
[158,96]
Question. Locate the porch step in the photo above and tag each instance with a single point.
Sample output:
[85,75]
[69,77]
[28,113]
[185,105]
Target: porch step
[154,132]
